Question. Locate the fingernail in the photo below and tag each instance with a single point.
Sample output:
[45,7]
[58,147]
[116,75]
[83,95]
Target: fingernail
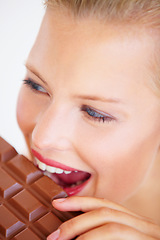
[59,200]
[54,235]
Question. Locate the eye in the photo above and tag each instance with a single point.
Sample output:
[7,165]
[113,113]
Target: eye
[34,86]
[96,115]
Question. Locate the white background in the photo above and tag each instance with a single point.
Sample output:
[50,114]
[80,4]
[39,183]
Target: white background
[19,24]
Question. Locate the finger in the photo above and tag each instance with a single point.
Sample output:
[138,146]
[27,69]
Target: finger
[114,231]
[98,217]
[86,204]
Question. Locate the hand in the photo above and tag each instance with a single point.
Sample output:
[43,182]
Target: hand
[102,220]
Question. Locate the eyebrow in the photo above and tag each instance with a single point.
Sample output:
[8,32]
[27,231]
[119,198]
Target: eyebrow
[101,99]
[34,71]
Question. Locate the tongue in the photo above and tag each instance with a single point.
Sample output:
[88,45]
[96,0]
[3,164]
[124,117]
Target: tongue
[73,177]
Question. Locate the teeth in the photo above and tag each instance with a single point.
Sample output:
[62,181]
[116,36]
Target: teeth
[51,169]
[67,172]
[77,183]
[42,166]
[59,171]
[73,185]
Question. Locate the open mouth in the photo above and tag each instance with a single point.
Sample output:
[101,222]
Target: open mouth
[72,181]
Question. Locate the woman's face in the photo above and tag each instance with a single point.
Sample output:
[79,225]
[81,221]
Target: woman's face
[86,106]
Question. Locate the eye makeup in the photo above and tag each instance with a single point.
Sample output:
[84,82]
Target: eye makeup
[34,86]
[89,112]
[96,115]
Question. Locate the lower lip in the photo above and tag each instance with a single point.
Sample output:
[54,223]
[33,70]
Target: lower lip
[75,190]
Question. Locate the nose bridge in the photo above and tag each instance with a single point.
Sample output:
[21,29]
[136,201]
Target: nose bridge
[53,129]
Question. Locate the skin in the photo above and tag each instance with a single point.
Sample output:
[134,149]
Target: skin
[108,68]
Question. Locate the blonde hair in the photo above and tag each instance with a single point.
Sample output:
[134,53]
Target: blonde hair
[145,13]
[142,11]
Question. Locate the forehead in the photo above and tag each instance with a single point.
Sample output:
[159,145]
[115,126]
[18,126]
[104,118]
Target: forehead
[63,29]
[80,45]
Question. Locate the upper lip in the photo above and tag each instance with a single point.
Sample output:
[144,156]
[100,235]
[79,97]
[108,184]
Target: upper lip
[51,162]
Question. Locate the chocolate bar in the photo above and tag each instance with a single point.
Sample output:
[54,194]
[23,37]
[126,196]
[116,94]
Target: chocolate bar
[26,194]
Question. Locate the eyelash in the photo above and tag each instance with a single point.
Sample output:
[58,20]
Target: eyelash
[96,116]
[34,86]
[90,113]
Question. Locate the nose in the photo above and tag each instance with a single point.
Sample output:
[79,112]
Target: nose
[53,130]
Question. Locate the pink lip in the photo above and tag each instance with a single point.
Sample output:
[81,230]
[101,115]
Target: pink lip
[51,162]
[75,190]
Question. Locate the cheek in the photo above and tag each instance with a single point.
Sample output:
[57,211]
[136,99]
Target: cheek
[25,112]
[29,107]
[120,167]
